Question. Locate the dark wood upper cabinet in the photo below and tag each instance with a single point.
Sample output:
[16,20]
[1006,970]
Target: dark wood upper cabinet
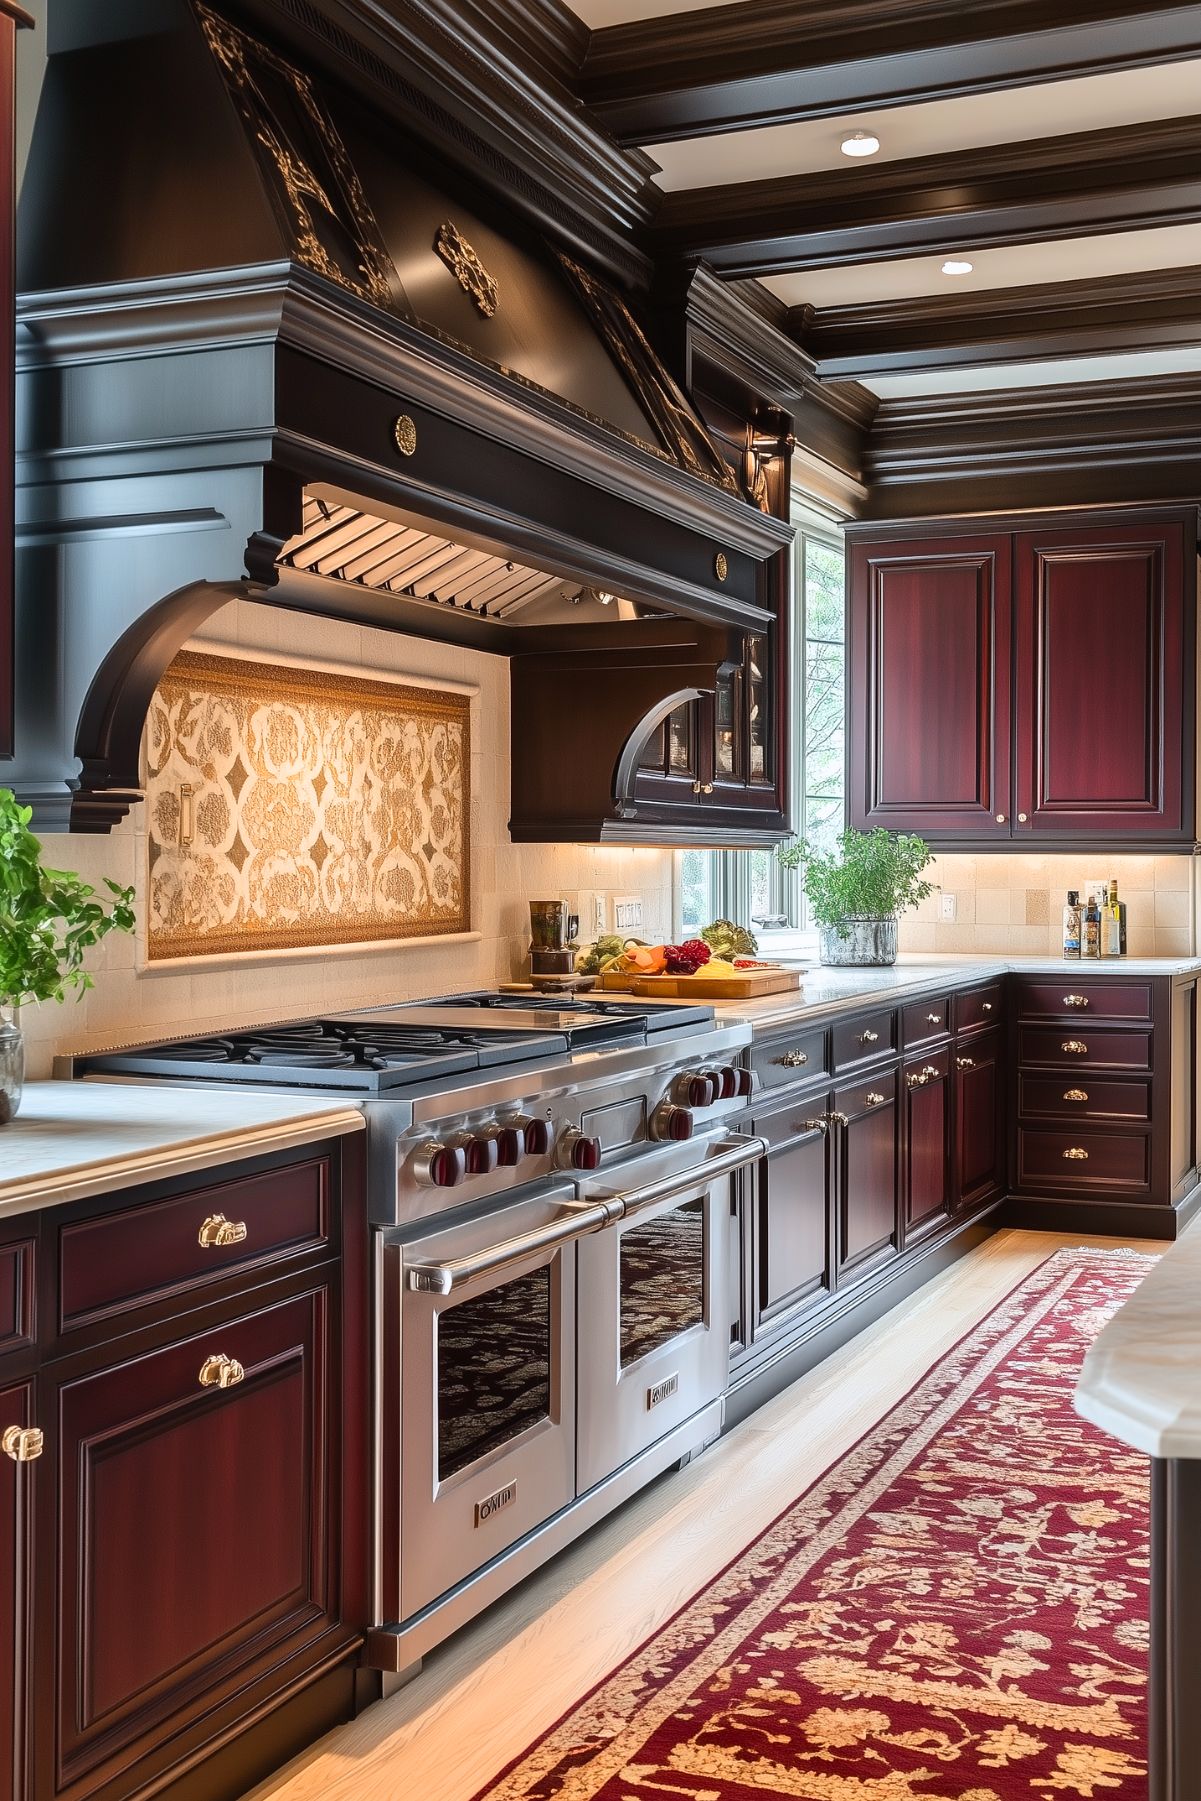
[11,17]
[1103,708]
[930,691]
[1026,683]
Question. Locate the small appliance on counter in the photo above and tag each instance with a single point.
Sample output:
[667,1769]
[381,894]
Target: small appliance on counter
[553,931]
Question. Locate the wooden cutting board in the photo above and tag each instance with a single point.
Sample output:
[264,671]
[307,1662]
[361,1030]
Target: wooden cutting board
[742,987]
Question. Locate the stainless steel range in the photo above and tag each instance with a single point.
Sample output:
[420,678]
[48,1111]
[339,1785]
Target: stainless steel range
[551,1191]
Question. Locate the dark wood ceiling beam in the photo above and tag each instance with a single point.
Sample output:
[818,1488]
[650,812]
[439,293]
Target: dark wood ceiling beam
[1073,186]
[775,61]
[1144,311]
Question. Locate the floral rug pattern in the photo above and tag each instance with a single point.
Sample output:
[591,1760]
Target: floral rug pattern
[956,1611]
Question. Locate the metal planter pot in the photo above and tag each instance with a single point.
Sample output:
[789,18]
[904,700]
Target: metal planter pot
[12,1069]
[868,943]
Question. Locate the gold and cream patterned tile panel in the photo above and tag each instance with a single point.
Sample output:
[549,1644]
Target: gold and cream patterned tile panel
[136,997]
[289,807]
[1014,903]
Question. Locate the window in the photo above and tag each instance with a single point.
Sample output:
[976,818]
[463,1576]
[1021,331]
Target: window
[750,884]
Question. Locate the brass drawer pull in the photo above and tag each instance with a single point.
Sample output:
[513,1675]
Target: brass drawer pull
[793,1059]
[814,1125]
[986,1007]
[220,1371]
[217,1232]
[1075,1155]
[931,1072]
[965,1063]
[869,1037]
[1075,1094]
[935,1019]
[24,1444]
[1075,1000]
[1075,1046]
[873,1099]
[918,1081]
[838,1119]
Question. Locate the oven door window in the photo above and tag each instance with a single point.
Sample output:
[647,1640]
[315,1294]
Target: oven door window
[662,1280]
[493,1369]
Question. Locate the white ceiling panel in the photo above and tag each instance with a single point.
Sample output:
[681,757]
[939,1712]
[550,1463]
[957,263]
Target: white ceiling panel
[1184,359]
[935,127]
[1011,266]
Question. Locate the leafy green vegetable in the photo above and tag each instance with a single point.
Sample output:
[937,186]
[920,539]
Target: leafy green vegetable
[876,875]
[725,939]
[610,944]
[48,917]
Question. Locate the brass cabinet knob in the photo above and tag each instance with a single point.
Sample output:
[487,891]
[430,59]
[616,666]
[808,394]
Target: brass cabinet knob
[1075,1000]
[793,1059]
[1022,818]
[24,1444]
[868,1037]
[935,1019]
[1000,819]
[1075,1046]
[873,1099]
[1074,1154]
[986,1007]
[220,1371]
[1075,1094]
[217,1232]
[708,788]
[965,1063]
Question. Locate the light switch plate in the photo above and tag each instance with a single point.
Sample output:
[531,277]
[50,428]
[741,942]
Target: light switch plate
[946,908]
[600,915]
[627,912]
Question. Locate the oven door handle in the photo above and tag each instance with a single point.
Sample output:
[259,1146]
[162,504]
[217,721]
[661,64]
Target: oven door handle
[444,1278]
[733,1153]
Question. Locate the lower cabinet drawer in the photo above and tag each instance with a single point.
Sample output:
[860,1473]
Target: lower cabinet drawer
[925,1020]
[16,1294]
[789,1057]
[860,1040]
[1074,996]
[137,1254]
[1067,1159]
[1082,1096]
[1084,1048]
[978,1007]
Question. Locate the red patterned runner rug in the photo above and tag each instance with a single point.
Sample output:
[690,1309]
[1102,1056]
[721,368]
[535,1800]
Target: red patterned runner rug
[955,1611]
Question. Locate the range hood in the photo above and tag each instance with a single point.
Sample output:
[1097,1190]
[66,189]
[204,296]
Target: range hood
[256,328]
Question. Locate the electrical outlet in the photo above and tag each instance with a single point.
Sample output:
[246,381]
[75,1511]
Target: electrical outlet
[627,912]
[946,909]
[600,915]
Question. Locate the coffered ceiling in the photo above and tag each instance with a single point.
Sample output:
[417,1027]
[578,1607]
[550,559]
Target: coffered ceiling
[1055,145]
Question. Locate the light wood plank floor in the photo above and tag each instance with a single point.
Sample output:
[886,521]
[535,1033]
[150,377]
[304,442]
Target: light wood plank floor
[486,1694]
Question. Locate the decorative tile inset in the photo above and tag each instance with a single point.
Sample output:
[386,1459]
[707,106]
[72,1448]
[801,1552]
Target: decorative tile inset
[321,809]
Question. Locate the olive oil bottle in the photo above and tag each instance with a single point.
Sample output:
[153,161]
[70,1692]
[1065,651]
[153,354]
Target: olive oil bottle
[1113,924]
[1071,926]
[1090,937]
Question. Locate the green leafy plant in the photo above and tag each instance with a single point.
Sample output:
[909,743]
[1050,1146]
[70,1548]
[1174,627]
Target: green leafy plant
[49,918]
[874,875]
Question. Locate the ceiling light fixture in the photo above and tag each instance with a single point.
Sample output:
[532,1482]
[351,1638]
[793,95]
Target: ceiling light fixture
[860,143]
[956,265]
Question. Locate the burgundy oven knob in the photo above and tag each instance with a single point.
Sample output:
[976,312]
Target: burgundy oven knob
[734,1081]
[675,1123]
[510,1146]
[582,1152]
[482,1155]
[699,1089]
[537,1136]
[440,1165]
[744,1083]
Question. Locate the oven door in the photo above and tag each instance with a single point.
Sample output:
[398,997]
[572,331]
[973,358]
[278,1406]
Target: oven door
[654,1302]
[484,1429]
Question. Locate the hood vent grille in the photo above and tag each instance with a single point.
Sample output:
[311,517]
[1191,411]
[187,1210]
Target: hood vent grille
[343,544]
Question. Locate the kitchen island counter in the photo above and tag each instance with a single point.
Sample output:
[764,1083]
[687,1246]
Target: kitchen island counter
[824,992]
[72,1140]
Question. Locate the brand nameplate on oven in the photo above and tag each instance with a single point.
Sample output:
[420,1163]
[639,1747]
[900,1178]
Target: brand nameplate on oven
[495,1503]
[662,1391]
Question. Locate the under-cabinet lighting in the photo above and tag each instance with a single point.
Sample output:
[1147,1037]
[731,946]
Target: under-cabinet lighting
[860,143]
[956,265]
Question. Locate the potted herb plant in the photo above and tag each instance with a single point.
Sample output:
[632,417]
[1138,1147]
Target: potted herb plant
[856,895]
[48,920]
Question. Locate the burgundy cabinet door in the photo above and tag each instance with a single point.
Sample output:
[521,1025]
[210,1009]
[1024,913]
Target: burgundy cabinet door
[930,670]
[15,1574]
[926,1094]
[1104,688]
[791,1259]
[868,1178]
[979,1120]
[196,1536]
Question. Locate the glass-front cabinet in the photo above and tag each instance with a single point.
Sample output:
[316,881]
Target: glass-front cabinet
[720,754]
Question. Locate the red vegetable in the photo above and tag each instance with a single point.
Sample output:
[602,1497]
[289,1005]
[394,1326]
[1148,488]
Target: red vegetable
[685,959]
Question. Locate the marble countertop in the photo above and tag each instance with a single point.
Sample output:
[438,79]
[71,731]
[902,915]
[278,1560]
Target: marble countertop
[1141,1379]
[75,1139]
[828,991]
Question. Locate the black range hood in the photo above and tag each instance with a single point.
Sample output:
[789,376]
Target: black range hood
[251,319]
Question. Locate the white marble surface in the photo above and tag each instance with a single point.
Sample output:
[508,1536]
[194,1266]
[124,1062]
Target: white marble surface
[73,1139]
[1141,1379]
[827,991]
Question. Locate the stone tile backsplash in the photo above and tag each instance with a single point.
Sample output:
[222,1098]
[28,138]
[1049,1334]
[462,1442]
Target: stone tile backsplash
[1015,903]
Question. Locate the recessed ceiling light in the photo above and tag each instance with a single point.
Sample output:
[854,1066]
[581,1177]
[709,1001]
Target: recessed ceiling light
[860,143]
[956,266]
